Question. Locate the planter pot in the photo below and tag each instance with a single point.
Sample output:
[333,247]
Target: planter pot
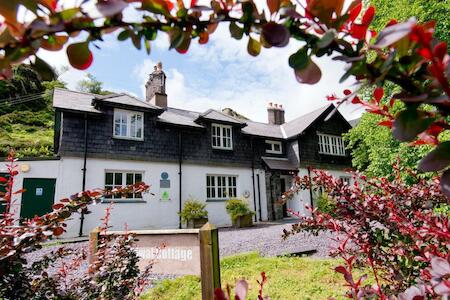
[243,221]
[196,223]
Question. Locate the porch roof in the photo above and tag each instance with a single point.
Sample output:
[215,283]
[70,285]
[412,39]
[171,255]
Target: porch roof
[279,164]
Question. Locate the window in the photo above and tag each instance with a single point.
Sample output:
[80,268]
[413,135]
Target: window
[118,179]
[331,144]
[222,136]
[345,179]
[128,124]
[220,187]
[273,147]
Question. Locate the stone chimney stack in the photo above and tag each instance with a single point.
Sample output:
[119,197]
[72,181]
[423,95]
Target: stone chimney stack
[275,113]
[155,88]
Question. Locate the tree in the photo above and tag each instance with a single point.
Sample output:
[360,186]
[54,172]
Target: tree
[405,54]
[91,85]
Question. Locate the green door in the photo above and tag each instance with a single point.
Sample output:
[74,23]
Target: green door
[38,197]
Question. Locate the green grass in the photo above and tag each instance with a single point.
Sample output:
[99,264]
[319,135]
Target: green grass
[288,278]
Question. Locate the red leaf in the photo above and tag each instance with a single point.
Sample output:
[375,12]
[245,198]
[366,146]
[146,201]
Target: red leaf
[356,100]
[387,123]
[368,16]
[58,206]
[354,12]
[425,53]
[203,37]
[58,231]
[110,8]
[347,92]
[378,94]
[273,5]
[80,57]
[341,269]
[3,179]
[440,50]
[276,35]
[311,74]
[193,3]
[358,31]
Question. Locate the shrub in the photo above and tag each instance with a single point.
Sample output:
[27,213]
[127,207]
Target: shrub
[113,275]
[237,208]
[390,226]
[325,204]
[193,209]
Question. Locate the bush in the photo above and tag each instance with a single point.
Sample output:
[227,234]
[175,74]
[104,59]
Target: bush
[193,209]
[325,204]
[237,208]
[388,225]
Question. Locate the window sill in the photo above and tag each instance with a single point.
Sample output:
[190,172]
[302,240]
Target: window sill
[330,154]
[217,200]
[128,138]
[123,201]
[222,149]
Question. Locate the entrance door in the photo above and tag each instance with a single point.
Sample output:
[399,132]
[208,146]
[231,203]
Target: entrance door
[283,189]
[38,197]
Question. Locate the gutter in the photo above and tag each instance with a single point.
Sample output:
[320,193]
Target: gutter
[253,179]
[83,186]
[180,160]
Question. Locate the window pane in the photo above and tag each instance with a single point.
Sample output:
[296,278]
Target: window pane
[130,178]
[277,147]
[138,178]
[109,179]
[118,179]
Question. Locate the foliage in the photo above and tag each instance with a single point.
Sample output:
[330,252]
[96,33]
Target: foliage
[193,209]
[288,278]
[424,10]
[237,208]
[91,85]
[388,225]
[405,54]
[325,204]
[113,274]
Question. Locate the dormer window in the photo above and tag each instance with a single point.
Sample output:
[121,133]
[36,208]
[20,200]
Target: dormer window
[331,144]
[128,124]
[222,136]
[274,147]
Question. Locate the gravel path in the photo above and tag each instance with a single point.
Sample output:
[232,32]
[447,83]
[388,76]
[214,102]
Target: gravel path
[263,237]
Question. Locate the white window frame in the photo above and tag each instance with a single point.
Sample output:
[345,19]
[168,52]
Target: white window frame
[221,136]
[221,187]
[331,144]
[124,173]
[128,132]
[272,150]
[347,179]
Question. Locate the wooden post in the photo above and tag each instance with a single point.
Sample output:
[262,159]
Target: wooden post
[93,243]
[209,260]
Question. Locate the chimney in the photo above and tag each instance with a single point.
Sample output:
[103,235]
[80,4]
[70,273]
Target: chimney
[155,88]
[275,113]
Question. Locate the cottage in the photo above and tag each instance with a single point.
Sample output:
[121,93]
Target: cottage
[113,140]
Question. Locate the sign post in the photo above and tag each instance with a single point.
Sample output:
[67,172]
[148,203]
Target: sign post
[175,252]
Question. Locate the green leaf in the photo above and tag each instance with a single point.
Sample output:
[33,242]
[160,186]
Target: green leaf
[299,60]
[176,37]
[44,69]
[236,31]
[147,46]
[253,47]
[123,35]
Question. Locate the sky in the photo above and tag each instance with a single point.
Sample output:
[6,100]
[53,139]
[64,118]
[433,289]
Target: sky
[216,75]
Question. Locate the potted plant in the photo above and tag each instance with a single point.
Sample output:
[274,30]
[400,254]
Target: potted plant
[240,213]
[194,213]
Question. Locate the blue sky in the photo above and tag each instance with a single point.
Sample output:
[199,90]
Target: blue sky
[217,75]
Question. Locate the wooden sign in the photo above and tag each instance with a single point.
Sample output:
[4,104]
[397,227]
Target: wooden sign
[176,252]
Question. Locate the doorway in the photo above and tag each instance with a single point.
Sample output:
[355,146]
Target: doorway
[38,198]
[283,189]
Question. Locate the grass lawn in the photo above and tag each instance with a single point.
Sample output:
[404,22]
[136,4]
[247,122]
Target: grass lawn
[288,278]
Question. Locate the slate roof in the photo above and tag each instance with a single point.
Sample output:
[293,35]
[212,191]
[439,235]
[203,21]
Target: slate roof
[300,124]
[74,101]
[279,164]
[263,129]
[179,117]
[126,99]
[214,115]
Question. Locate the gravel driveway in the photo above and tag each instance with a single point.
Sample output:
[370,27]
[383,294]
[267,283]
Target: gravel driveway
[263,237]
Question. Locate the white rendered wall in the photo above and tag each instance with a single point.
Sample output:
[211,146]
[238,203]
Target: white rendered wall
[34,169]
[297,204]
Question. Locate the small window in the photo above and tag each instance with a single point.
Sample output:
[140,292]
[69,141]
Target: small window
[222,136]
[345,179]
[128,124]
[331,144]
[221,187]
[118,179]
[273,147]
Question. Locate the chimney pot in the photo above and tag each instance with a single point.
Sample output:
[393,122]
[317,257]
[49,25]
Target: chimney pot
[275,113]
[155,88]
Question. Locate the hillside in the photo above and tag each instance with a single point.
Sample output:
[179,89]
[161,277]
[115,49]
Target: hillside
[26,115]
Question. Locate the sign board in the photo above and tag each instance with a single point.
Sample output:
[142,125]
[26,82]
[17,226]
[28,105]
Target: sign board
[176,252]
[39,191]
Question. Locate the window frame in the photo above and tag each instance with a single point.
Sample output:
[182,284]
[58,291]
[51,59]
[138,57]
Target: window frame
[331,144]
[220,137]
[124,174]
[273,143]
[129,114]
[222,184]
